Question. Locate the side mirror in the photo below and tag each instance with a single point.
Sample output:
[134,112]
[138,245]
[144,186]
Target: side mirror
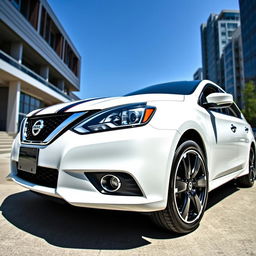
[219,100]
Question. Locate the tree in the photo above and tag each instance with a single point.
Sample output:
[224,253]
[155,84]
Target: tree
[249,110]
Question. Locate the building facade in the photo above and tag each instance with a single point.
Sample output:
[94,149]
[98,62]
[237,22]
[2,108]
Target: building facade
[248,30]
[39,65]
[215,35]
[233,67]
[198,75]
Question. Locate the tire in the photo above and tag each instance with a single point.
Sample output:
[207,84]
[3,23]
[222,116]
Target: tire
[247,181]
[188,191]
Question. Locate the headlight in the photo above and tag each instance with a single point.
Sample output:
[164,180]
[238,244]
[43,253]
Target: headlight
[125,116]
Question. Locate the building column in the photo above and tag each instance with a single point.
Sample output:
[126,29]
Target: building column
[13,107]
[39,17]
[44,72]
[61,85]
[17,51]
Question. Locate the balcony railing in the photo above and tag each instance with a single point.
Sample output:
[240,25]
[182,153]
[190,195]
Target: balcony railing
[5,57]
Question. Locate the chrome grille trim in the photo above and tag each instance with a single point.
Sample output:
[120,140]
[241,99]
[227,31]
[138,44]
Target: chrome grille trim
[54,133]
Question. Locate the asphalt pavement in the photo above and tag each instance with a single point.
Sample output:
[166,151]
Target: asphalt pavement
[33,225]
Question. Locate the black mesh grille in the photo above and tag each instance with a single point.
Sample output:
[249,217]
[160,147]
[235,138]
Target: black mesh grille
[44,176]
[51,122]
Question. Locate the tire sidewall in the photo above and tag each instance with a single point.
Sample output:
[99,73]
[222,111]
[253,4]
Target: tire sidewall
[171,205]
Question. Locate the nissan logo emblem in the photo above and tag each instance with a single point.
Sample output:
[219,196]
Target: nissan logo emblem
[37,127]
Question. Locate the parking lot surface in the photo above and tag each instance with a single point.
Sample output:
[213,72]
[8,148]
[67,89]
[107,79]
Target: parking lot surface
[33,225]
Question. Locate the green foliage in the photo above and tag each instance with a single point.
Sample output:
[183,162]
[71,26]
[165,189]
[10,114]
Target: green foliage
[249,110]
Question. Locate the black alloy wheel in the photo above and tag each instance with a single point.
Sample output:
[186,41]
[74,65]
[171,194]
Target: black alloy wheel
[190,186]
[188,190]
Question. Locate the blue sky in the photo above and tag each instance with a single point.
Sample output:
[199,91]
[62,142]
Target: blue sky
[129,44]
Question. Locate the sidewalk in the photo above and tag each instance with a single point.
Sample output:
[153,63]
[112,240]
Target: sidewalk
[4,168]
[32,225]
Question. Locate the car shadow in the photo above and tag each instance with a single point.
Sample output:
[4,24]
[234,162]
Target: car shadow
[81,228]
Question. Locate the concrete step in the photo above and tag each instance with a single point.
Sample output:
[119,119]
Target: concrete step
[5,141]
[5,135]
[5,150]
[6,138]
[2,141]
[5,145]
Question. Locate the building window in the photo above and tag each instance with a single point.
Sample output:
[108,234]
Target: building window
[223,41]
[223,25]
[52,35]
[28,103]
[70,59]
[29,9]
[223,33]
[232,25]
[230,33]
[16,4]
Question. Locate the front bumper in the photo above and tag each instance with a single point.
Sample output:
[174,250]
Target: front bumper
[145,153]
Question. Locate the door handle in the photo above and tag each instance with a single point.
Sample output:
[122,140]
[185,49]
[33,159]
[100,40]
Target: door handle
[233,128]
[246,129]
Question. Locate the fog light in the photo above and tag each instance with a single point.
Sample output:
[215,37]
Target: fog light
[110,183]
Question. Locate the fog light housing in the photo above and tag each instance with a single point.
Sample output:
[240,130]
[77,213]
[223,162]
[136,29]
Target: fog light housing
[121,184]
[110,183]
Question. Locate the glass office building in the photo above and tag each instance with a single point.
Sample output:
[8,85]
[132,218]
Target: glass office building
[233,67]
[215,35]
[248,27]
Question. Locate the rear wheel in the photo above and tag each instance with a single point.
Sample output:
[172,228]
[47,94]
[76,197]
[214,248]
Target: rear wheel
[188,190]
[248,180]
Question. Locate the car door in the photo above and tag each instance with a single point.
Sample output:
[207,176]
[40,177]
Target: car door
[225,150]
[226,129]
[240,129]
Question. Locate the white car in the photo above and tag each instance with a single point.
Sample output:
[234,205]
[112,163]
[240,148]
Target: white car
[160,149]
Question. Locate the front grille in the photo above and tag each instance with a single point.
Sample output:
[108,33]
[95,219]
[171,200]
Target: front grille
[51,122]
[44,176]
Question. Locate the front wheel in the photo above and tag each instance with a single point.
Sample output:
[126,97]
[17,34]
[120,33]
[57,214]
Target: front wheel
[188,190]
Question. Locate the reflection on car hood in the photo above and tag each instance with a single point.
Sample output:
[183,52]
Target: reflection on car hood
[103,103]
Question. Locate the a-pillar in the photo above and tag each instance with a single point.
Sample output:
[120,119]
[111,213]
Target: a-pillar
[13,107]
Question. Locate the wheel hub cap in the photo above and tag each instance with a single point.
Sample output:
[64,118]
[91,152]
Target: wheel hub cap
[190,185]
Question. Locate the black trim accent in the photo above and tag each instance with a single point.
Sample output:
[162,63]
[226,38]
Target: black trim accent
[75,104]
[38,111]
[47,177]
[128,187]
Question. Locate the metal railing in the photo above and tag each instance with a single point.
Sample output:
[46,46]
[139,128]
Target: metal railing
[5,57]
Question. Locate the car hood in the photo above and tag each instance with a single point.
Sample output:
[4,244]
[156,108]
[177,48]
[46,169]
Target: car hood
[103,103]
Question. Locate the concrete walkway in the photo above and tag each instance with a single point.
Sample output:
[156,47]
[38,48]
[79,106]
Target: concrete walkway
[32,225]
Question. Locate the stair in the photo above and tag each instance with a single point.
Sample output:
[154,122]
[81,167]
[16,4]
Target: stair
[5,143]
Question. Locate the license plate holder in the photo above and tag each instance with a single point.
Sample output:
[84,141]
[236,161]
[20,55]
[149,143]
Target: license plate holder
[28,158]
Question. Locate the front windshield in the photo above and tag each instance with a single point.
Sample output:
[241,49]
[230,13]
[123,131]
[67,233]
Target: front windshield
[181,87]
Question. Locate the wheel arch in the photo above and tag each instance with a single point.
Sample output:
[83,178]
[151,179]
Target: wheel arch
[194,135]
[253,146]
